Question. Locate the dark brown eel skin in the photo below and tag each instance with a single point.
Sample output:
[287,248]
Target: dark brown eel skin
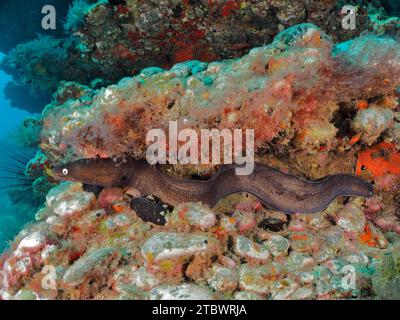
[275,189]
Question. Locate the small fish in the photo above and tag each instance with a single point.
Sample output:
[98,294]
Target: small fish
[149,210]
[272,224]
[277,190]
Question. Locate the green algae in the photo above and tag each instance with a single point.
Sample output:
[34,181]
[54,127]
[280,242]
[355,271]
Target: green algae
[386,280]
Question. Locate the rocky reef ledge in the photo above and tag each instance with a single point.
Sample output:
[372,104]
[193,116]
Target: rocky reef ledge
[83,247]
[317,109]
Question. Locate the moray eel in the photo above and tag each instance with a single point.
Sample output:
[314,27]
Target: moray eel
[275,189]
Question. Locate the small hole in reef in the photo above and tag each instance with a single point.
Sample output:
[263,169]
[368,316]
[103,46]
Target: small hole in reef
[199,177]
[230,243]
[171,104]
[177,11]
[342,119]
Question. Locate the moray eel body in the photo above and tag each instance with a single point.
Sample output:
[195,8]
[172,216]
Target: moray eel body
[280,191]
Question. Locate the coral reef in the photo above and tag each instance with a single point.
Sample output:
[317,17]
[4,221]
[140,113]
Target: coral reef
[27,134]
[113,254]
[76,14]
[46,61]
[319,105]
[112,40]
[288,92]
[14,12]
[386,280]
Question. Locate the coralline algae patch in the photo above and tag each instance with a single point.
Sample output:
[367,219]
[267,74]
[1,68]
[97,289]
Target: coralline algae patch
[287,92]
[77,250]
[380,160]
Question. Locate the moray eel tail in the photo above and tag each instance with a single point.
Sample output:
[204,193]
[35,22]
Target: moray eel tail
[285,192]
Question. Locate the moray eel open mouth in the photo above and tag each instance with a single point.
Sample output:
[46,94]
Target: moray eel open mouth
[280,191]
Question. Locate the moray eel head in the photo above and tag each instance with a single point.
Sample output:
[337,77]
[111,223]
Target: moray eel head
[347,185]
[97,172]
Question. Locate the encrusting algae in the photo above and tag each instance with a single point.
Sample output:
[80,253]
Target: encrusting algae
[288,91]
[318,109]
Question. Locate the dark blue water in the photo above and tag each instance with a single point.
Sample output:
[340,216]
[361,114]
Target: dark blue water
[12,218]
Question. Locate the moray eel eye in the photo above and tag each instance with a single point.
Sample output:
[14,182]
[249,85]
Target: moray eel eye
[65,171]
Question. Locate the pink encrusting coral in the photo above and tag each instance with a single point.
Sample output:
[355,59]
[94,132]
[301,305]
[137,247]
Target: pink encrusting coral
[288,90]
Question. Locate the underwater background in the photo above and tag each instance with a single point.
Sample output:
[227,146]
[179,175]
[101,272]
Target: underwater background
[18,102]
[322,100]
[12,218]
